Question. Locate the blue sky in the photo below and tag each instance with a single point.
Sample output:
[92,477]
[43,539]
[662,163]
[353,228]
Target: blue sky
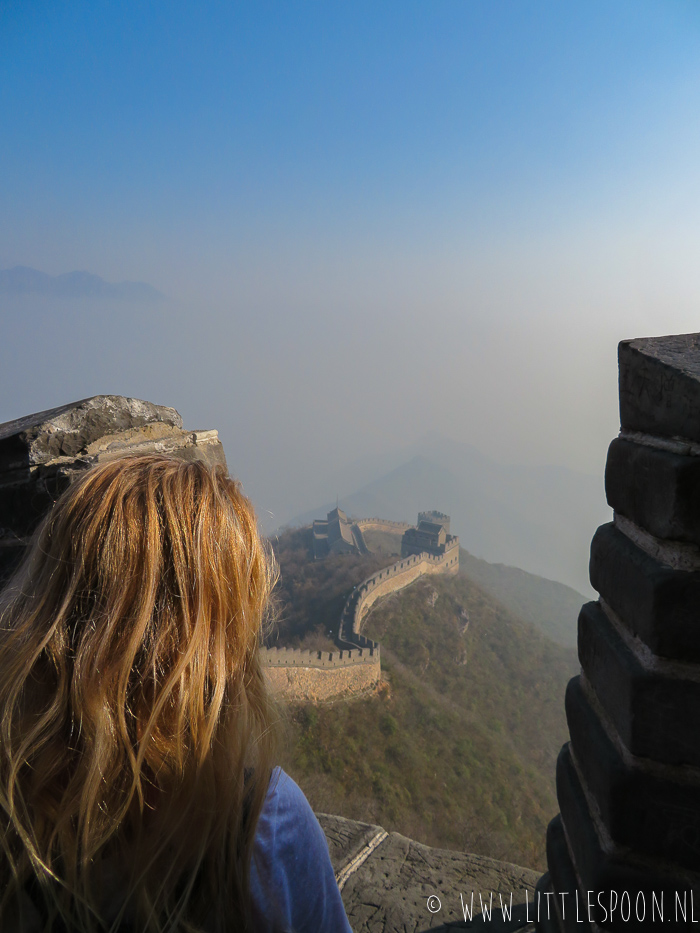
[196,125]
[334,195]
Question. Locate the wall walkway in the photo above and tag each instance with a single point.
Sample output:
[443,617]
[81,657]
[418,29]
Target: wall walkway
[389,580]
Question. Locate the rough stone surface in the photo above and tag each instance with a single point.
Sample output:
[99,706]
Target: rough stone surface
[660,385]
[656,489]
[655,603]
[655,714]
[389,891]
[67,431]
[345,838]
[655,814]
[604,869]
[41,454]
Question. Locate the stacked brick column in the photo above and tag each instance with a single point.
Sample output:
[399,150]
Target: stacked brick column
[626,846]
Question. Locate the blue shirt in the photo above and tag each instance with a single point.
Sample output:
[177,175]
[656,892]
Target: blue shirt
[292,881]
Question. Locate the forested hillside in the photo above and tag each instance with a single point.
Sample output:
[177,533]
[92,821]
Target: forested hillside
[310,594]
[458,746]
[551,607]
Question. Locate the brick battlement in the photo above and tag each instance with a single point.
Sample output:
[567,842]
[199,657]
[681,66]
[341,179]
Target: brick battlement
[299,657]
[381,524]
[319,676]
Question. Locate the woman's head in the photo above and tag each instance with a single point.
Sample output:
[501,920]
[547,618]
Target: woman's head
[135,719]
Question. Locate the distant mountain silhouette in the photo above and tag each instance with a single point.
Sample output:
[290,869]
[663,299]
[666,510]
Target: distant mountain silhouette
[23,280]
[540,519]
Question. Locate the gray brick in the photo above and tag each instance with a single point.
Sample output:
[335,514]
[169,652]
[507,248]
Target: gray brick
[659,605]
[604,871]
[654,816]
[660,385]
[656,489]
[656,715]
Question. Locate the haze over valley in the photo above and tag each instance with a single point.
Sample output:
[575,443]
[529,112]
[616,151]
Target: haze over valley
[538,518]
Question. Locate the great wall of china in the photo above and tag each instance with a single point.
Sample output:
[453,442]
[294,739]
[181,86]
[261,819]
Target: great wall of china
[356,667]
[389,580]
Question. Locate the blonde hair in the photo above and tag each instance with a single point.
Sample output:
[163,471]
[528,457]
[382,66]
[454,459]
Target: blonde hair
[135,725]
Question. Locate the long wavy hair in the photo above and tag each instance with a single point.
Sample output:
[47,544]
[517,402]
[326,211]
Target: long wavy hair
[136,729]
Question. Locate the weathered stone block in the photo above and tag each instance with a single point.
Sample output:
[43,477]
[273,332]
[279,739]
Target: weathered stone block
[659,605]
[656,817]
[41,454]
[660,385]
[655,714]
[612,877]
[68,430]
[656,489]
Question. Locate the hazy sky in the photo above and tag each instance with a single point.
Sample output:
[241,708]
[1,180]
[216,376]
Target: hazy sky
[372,220]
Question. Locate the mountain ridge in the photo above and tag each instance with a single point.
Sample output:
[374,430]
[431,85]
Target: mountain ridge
[24,280]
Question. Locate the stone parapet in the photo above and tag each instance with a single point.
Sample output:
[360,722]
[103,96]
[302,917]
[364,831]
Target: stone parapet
[381,524]
[660,386]
[614,880]
[394,884]
[41,454]
[652,809]
[628,783]
[317,676]
[656,603]
[638,695]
